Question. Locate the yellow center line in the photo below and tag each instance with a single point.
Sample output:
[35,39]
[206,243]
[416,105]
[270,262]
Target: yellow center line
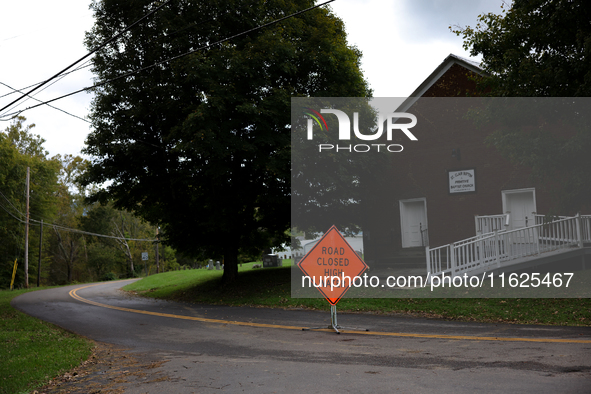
[73,294]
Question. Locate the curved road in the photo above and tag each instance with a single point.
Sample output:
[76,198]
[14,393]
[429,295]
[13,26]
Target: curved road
[213,349]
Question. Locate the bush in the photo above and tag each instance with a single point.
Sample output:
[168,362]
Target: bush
[108,276]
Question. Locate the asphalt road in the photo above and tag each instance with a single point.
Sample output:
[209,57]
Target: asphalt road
[185,348]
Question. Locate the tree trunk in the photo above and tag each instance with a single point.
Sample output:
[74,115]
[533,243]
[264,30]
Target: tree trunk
[230,265]
[71,264]
[123,245]
[67,260]
[130,257]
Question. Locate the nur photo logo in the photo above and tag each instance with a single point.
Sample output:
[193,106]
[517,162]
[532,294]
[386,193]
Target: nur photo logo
[387,123]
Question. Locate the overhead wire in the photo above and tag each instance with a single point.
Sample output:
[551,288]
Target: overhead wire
[11,214]
[84,65]
[49,105]
[73,230]
[87,55]
[64,228]
[174,57]
[87,64]
[11,204]
[59,78]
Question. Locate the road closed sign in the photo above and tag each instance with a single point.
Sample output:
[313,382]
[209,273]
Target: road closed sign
[332,265]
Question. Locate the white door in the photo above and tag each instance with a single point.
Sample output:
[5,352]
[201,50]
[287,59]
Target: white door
[521,206]
[413,221]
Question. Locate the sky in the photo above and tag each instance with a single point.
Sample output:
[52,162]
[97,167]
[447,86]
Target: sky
[402,42]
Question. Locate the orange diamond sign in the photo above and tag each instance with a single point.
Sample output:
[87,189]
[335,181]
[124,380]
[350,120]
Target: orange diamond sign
[332,265]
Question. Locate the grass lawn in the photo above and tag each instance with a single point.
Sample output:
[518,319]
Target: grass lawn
[31,351]
[271,287]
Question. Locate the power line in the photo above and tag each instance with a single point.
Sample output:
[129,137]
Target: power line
[49,105]
[173,58]
[11,204]
[11,214]
[87,55]
[62,76]
[73,230]
[86,64]
[64,228]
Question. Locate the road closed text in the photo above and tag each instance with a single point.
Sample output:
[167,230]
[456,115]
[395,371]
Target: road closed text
[332,260]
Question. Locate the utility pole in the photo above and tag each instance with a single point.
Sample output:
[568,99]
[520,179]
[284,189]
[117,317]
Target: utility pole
[27,233]
[40,245]
[157,255]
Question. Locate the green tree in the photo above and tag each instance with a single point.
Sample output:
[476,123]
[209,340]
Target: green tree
[67,249]
[201,144]
[24,140]
[72,168]
[19,149]
[540,48]
[113,253]
[536,48]
[103,254]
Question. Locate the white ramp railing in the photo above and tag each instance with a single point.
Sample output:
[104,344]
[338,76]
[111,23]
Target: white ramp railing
[491,223]
[586,228]
[585,224]
[497,249]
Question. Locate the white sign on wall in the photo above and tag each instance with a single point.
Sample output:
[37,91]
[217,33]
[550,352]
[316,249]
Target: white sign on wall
[462,181]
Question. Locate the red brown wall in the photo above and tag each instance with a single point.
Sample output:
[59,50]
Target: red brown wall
[421,170]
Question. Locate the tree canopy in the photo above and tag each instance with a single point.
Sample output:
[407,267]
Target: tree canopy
[19,149]
[541,48]
[535,48]
[201,144]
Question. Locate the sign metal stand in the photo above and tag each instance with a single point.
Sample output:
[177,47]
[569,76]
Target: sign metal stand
[333,322]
